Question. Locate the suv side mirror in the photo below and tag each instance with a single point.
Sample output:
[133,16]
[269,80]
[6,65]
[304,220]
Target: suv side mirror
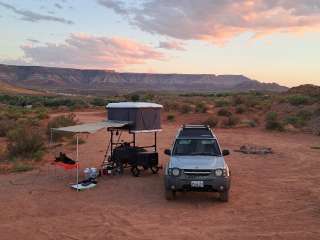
[225,152]
[167,152]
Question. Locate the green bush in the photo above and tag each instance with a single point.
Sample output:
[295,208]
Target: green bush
[21,167]
[295,121]
[135,97]
[211,121]
[230,121]
[184,109]
[170,106]
[201,108]
[305,115]
[237,100]
[25,142]
[42,113]
[171,117]
[240,109]
[99,102]
[61,121]
[297,100]
[148,97]
[6,125]
[224,112]
[221,103]
[272,122]
[249,123]
[300,119]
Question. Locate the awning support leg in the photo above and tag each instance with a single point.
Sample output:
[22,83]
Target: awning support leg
[77,162]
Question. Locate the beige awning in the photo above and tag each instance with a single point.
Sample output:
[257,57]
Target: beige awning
[92,127]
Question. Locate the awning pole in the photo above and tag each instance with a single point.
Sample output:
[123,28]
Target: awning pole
[77,162]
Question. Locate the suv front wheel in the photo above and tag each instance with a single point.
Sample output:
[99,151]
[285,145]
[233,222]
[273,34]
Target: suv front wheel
[224,196]
[170,194]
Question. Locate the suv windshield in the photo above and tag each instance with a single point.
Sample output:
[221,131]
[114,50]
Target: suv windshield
[207,147]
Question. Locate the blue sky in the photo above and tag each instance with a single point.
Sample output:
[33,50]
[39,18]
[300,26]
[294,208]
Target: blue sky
[271,41]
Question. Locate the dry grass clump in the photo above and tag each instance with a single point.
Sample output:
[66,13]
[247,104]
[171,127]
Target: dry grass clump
[61,121]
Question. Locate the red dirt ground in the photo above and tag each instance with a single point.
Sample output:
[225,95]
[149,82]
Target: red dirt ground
[272,197]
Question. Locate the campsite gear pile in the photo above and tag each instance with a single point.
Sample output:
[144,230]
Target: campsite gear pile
[252,149]
[90,173]
[90,179]
[130,117]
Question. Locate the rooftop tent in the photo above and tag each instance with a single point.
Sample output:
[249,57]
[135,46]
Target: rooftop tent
[144,117]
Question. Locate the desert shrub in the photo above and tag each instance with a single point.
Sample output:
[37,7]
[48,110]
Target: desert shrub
[184,109]
[240,109]
[300,119]
[135,97]
[25,142]
[14,113]
[305,115]
[21,167]
[223,94]
[294,120]
[171,117]
[221,103]
[237,100]
[224,112]
[272,122]
[201,108]
[211,121]
[249,123]
[170,106]
[98,102]
[61,121]
[42,113]
[230,121]
[148,97]
[6,125]
[297,100]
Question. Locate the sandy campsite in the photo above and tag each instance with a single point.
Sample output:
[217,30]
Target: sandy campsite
[274,196]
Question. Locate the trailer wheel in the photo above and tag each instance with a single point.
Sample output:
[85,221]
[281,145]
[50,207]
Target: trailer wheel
[118,166]
[135,171]
[154,169]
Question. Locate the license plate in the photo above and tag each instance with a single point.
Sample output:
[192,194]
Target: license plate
[197,184]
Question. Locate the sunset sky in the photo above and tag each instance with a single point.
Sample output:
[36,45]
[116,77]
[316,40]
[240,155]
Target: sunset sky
[267,40]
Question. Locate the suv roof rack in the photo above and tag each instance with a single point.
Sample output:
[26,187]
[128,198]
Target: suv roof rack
[194,126]
[195,131]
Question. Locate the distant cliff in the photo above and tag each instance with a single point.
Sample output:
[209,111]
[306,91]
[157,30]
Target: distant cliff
[61,79]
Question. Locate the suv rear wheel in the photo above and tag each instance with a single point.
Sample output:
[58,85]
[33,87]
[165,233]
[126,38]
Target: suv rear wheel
[170,194]
[224,196]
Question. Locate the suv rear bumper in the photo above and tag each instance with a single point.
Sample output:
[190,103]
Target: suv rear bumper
[216,184]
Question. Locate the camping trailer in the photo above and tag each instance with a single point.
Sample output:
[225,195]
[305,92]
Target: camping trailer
[131,117]
[140,117]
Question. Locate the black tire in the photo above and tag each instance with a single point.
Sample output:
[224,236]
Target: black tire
[118,168]
[224,196]
[135,171]
[154,169]
[170,194]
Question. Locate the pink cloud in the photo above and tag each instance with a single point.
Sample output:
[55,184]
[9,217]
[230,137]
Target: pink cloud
[87,51]
[220,21]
